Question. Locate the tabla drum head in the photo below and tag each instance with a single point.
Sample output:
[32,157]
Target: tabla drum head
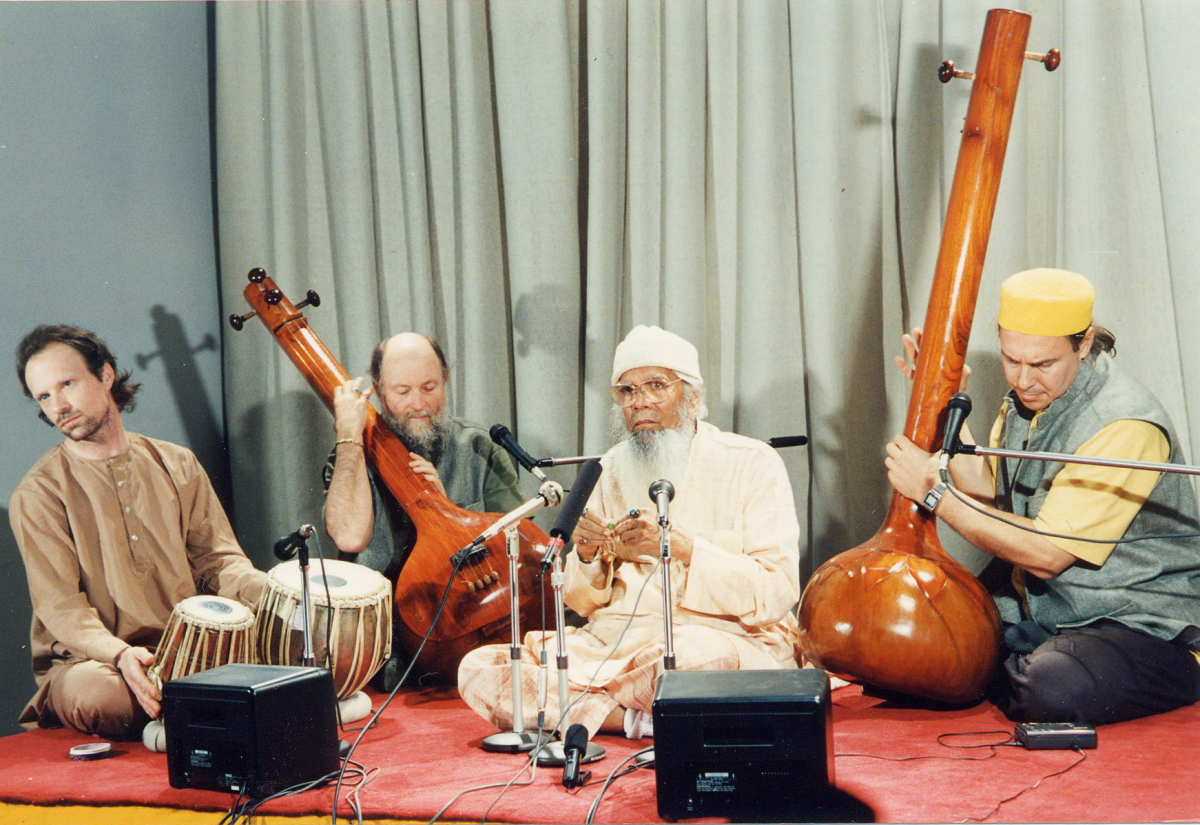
[330,582]
[214,609]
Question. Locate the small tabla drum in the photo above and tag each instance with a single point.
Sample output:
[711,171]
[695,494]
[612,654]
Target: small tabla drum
[351,620]
[202,633]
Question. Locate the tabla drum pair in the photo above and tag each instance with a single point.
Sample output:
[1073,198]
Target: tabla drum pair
[351,631]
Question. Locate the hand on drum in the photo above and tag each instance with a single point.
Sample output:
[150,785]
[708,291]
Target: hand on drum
[912,348]
[350,404]
[131,663]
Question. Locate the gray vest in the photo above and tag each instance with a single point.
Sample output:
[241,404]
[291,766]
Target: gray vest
[1152,585]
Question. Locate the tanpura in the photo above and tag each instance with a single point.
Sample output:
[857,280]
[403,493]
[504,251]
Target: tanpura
[897,611]
[476,610]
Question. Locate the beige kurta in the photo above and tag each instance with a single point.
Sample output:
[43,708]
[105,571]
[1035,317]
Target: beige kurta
[110,546]
[732,606]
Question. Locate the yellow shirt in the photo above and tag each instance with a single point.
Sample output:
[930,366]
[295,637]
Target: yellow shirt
[1096,502]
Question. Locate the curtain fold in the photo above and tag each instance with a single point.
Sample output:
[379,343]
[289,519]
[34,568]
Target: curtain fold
[528,179]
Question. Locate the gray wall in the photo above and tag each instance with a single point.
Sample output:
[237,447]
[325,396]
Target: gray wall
[106,222]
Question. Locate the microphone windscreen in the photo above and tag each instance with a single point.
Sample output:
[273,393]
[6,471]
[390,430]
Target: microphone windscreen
[576,738]
[662,486]
[285,548]
[957,410]
[504,438]
[577,499]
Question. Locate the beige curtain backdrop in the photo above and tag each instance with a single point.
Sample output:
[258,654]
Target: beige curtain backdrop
[527,179]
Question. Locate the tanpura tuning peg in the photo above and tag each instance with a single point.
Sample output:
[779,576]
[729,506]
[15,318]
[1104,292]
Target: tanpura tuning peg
[274,296]
[271,296]
[238,321]
[1051,59]
[947,72]
[255,276]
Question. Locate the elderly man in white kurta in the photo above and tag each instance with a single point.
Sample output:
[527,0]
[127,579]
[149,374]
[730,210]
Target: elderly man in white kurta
[734,557]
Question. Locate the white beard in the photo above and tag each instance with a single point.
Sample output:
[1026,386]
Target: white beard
[642,458]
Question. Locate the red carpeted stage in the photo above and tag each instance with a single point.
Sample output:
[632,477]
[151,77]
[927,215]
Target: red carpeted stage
[426,751]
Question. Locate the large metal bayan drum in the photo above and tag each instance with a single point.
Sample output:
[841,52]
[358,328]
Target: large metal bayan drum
[202,633]
[351,620]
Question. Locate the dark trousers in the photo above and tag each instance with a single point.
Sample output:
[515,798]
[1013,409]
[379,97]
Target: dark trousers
[1093,675]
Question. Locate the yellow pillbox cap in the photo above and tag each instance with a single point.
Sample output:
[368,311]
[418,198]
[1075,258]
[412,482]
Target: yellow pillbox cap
[1049,302]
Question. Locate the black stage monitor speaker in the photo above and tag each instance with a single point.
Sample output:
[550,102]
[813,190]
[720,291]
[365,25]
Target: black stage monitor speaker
[250,729]
[748,744]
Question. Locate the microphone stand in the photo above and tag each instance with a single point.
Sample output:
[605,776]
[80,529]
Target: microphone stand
[955,447]
[645,759]
[308,659]
[549,495]
[778,442]
[576,459]
[554,754]
[517,740]
[974,449]
[664,546]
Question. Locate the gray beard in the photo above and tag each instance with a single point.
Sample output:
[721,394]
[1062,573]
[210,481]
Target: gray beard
[643,457]
[430,444]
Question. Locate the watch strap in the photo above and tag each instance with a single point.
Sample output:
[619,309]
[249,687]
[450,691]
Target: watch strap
[934,496]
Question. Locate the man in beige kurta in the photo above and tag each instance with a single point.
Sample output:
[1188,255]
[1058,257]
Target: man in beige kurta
[115,529]
[734,549]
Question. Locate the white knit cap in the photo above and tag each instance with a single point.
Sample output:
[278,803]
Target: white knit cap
[655,347]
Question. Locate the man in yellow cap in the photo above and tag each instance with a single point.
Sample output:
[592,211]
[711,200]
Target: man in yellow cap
[1097,569]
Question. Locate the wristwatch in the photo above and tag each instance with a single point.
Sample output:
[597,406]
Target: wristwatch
[930,502]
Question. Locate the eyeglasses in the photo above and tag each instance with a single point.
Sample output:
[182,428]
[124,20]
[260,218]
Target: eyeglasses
[653,391]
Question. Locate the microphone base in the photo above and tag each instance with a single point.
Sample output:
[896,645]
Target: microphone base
[510,742]
[554,755]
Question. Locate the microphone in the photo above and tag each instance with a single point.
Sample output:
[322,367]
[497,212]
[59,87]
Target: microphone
[504,438]
[548,495]
[571,510]
[661,492]
[574,747]
[289,545]
[788,441]
[957,410]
